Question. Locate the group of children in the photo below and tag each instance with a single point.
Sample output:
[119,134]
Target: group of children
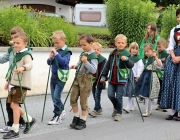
[127,73]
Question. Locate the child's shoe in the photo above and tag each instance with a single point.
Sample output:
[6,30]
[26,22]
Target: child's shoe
[11,134]
[147,114]
[74,122]
[132,108]
[158,108]
[94,113]
[126,110]
[100,112]
[55,121]
[63,115]
[114,112]
[118,117]
[81,124]
[26,130]
[5,129]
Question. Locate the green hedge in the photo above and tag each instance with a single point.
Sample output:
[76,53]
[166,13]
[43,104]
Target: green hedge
[39,28]
[130,17]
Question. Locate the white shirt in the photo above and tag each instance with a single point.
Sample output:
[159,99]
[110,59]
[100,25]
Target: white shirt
[172,42]
[138,68]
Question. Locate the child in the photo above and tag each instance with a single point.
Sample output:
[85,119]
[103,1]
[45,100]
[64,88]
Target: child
[82,86]
[148,80]
[8,56]
[97,85]
[59,59]
[22,72]
[117,62]
[162,53]
[150,37]
[137,70]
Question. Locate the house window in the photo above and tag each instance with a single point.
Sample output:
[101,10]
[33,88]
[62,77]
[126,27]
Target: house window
[90,16]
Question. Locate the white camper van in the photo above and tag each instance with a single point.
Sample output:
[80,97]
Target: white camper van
[90,14]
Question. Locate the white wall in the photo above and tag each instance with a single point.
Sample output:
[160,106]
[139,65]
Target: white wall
[64,10]
[40,73]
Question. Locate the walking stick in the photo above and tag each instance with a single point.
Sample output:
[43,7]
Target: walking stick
[46,91]
[3,112]
[22,94]
[135,94]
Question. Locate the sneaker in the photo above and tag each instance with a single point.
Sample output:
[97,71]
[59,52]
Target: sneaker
[132,108]
[81,124]
[94,113]
[141,100]
[22,126]
[5,129]
[74,122]
[100,112]
[117,117]
[147,114]
[126,110]
[114,112]
[63,115]
[11,134]
[158,108]
[55,121]
[26,130]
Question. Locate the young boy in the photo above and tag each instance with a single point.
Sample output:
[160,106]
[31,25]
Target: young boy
[118,62]
[59,59]
[97,85]
[20,69]
[8,56]
[161,46]
[82,86]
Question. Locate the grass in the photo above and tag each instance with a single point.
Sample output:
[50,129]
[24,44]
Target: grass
[92,30]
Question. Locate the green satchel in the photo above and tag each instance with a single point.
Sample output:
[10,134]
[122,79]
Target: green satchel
[124,73]
[160,74]
[63,75]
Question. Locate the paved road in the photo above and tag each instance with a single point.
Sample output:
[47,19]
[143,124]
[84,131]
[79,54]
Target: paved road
[103,127]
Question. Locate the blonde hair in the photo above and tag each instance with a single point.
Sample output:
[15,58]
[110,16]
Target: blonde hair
[58,35]
[121,36]
[134,45]
[161,41]
[16,30]
[149,46]
[23,36]
[97,44]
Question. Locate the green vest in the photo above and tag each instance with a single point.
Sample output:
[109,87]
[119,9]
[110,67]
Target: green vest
[63,75]
[163,54]
[148,61]
[135,58]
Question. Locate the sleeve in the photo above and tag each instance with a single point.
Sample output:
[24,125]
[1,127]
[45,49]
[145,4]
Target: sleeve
[28,62]
[159,67]
[63,60]
[106,69]
[172,42]
[140,67]
[92,67]
[4,58]
[129,63]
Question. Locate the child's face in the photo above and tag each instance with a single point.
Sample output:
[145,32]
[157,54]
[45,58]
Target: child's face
[19,44]
[85,45]
[148,52]
[149,29]
[97,49]
[58,43]
[178,18]
[134,51]
[120,43]
[161,47]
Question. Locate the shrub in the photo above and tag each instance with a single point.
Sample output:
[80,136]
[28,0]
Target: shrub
[129,17]
[39,28]
[168,20]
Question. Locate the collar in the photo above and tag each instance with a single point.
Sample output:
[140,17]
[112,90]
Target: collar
[89,52]
[63,48]
[23,50]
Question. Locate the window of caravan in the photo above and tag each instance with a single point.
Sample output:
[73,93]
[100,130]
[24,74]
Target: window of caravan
[87,16]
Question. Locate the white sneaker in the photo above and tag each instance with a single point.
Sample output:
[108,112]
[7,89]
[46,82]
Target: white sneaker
[63,115]
[5,129]
[55,121]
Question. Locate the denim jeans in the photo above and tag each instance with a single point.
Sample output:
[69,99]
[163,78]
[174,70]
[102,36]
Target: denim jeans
[97,98]
[115,94]
[56,91]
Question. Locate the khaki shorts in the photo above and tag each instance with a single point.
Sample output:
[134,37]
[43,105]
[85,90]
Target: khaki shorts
[15,95]
[82,87]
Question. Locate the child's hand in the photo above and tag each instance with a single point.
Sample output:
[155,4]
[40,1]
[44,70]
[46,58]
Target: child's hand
[136,79]
[51,55]
[84,59]
[102,80]
[19,70]
[73,67]
[123,58]
[6,86]
[53,51]
[154,54]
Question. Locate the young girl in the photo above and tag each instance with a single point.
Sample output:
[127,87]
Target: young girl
[148,83]
[150,37]
[134,76]
[170,93]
